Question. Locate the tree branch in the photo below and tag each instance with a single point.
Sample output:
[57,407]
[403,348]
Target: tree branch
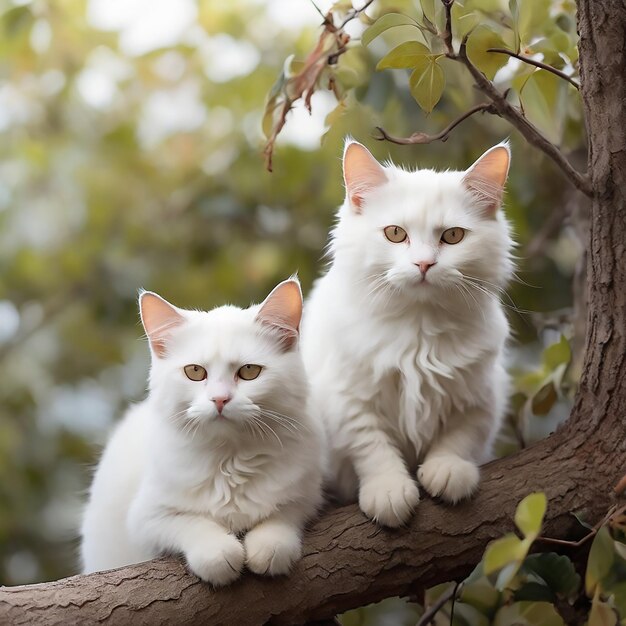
[423,138]
[447,33]
[543,66]
[499,106]
[520,122]
[347,560]
[452,592]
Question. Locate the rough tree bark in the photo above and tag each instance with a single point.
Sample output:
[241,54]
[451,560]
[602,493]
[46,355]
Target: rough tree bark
[347,560]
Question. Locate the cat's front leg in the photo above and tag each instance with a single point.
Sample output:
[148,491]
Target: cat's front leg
[275,544]
[387,493]
[450,468]
[212,553]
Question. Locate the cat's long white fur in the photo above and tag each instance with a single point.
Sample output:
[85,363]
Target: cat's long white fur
[408,377]
[176,477]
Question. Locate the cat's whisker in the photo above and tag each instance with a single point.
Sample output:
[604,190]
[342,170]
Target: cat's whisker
[473,297]
[476,283]
[280,441]
[461,290]
[291,426]
[264,426]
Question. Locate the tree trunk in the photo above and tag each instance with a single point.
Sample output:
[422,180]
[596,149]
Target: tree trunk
[347,560]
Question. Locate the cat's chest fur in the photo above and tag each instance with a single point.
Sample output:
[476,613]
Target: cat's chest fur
[236,488]
[418,369]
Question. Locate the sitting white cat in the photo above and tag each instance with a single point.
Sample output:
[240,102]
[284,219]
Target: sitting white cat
[223,445]
[403,339]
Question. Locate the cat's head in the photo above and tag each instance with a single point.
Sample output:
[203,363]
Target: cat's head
[229,369]
[424,234]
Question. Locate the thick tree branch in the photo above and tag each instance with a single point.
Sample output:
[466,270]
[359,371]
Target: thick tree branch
[347,560]
[543,66]
[423,138]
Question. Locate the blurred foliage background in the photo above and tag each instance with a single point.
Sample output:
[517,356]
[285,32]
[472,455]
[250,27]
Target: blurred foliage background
[130,156]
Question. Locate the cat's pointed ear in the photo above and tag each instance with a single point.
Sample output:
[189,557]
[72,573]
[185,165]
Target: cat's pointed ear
[487,177]
[158,318]
[361,173]
[281,312]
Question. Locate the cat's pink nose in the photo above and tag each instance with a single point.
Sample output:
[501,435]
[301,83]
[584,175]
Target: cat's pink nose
[425,266]
[220,401]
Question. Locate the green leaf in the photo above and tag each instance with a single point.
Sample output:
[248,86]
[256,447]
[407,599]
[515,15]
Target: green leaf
[464,19]
[478,43]
[533,17]
[601,613]
[544,399]
[555,570]
[557,354]
[535,592]
[387,21]
[409,54]
[481,594]
[501,552]
[601,557]
[528,614]
[426,84]
[529,514]
[542,98]
[618,597]
[17,20]
[433,12]
[581,521]
[514,8]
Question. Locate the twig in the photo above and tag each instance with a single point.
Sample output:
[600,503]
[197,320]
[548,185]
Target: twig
[422,138]
[543,66]
[332,43]
[592,533]
[319,11]
[518,120]
[449,594]
[447,33]
[499,106]
[354,13]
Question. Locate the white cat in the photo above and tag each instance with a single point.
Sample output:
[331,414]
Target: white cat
[403,338]
[223,445]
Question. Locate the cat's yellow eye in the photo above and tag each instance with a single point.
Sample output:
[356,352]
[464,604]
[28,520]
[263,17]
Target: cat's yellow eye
[249,371]
[395,234]
[453,235]
[195,372]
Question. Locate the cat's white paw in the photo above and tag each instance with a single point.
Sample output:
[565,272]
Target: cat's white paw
[449,477]
[271,549]
[389,499]
[217,560]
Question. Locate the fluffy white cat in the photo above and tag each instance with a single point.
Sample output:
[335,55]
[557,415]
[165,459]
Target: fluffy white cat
[403,338]
[223,445]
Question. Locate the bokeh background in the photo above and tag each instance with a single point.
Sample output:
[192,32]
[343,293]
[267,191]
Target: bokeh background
[130,157]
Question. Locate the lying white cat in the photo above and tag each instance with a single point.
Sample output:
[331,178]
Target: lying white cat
[403,338]
[223,445]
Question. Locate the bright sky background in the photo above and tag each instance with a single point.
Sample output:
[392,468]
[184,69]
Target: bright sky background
[146,25]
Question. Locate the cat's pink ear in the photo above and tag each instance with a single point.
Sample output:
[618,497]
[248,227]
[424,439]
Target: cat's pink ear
[281,312]
[487,177]
[158,318]
[361,173]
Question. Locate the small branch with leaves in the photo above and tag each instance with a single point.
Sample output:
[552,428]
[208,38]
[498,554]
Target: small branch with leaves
[517,119]
[298,81]
[499,104]
[539,64]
